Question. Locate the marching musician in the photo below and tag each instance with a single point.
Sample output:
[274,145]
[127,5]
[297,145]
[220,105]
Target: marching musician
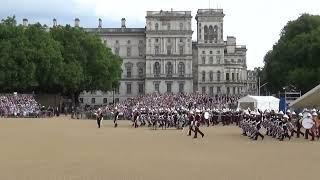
[297,123]
[116,116]
[135,119]
[258,127]
[285,129]
[310,131]
[191,123]
[99,117]
[196,126]
[316,127]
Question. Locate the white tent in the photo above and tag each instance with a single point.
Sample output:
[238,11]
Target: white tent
[259,102]
[311,99]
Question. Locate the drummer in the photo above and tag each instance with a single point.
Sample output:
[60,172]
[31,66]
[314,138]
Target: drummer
[309,131]
[316,128]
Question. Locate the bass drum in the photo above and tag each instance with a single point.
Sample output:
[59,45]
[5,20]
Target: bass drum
[307,123]
[206,115]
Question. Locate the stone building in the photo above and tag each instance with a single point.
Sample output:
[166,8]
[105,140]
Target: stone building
[252,82]
[168,52]
[221,65]
[161,57]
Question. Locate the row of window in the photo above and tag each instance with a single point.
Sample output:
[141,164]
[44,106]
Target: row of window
[169,50]
[129,48]
[210,33]
[156,26]
[140,50]
[218,58]
[129,70]
[168,69]
[233,76]
[235,90]
[128,42]
[169,87]
[252,86]
[156,40]
[129,88]
[211,52]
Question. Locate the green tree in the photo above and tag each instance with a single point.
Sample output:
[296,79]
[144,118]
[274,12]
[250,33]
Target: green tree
[295,58]
[62,59]
[89,64]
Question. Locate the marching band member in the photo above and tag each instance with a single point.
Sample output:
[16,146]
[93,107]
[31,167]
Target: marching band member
[99,117]
[284,128]
[309,131]
[196,127]
[316,127]
[191,123]
[116,116]
[258,127]
[297,123]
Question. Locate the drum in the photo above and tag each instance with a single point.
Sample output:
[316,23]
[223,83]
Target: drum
[307,123]
[206,115]
[290,126]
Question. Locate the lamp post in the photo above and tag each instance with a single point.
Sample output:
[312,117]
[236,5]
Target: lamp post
[113,89]
[260,86]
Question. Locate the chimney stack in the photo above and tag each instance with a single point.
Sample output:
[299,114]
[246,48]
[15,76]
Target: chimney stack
[76,22]
[100,23]
[123,23]
[54,22]
[25,22]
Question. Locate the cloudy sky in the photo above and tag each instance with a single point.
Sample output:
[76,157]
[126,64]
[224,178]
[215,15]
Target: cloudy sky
[255,23]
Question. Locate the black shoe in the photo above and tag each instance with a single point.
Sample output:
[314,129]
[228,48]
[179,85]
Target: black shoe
[202,135]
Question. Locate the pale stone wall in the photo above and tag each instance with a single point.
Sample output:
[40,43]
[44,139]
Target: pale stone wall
[172,29]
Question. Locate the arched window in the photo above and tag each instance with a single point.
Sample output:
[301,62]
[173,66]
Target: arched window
[211,76]
[211,60]
[169,69]
[156,69]
[140,66]
[181,26]
[210,34]
[129,69]
[181,68]
[215,34]
[156,26]
[218,76]
[203,76]
[206,33]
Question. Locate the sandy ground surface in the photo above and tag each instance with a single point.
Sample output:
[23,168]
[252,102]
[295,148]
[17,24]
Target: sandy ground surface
[63,149]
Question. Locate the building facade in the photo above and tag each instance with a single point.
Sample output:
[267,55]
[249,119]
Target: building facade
[252,82]
[163,58]
[221,65]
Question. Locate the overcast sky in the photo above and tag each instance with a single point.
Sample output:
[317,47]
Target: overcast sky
[255,23]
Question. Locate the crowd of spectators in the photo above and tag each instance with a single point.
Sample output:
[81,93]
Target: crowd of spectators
[170,101]
[18,105]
